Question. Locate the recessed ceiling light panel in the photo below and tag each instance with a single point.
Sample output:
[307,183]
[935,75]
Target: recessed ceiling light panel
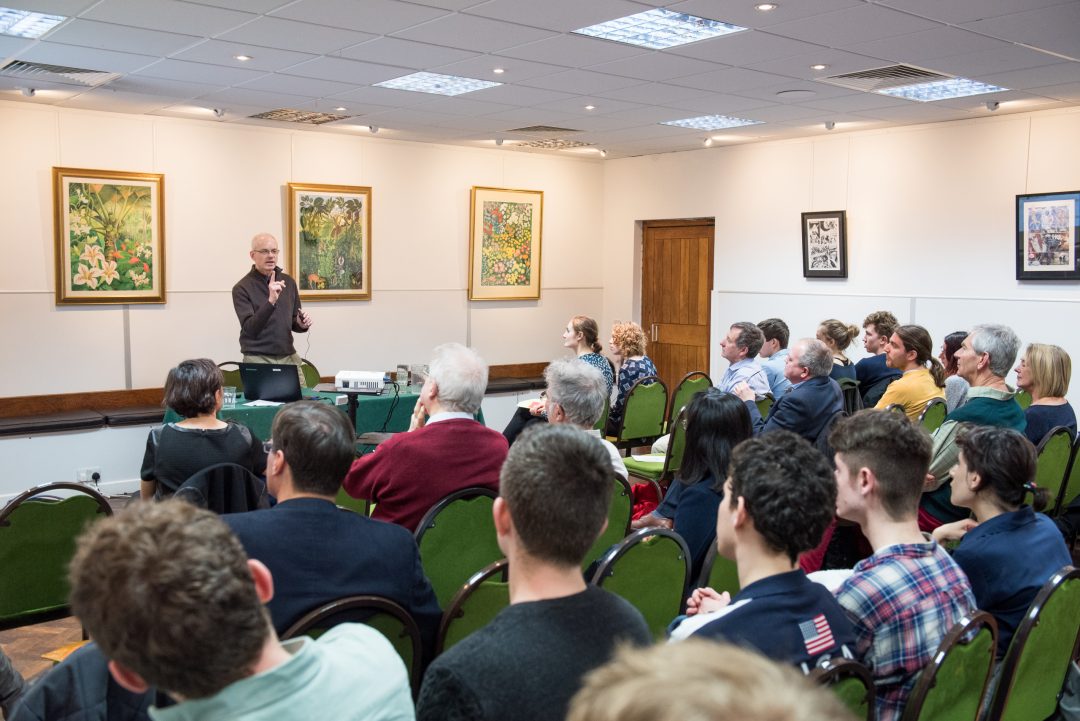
[26,24]
[941,90]
[437,84]
[711,122]
[658,29]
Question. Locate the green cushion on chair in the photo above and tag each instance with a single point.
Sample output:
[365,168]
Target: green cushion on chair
[644,469]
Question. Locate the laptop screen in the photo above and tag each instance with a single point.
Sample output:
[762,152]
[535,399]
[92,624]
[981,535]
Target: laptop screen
[267,382]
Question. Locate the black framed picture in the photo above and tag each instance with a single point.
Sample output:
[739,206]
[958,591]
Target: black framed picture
[1047,226]
[824,244]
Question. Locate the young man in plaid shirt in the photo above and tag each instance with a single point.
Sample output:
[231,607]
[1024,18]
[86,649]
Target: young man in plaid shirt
[904,598]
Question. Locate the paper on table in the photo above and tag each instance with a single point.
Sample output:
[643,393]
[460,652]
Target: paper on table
[529,403]
[649,458]
[263,403]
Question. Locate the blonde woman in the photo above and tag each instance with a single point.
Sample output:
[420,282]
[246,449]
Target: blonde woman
[1044,372]
[838,336]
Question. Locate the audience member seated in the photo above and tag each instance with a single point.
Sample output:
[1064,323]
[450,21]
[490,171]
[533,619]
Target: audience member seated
[529,661]
[779,498]
[316,551]
[575,396]
[1008,551]
[873,372]
[697,680]
[906,597]
[812,400]
[716,422]
[172,601]
[631,364]
[774,353]
[1044,372]
[956,388]
[581,336]
[177,451]
[12,685]
[909,350]
[445,450]
[838,337]
[983,360]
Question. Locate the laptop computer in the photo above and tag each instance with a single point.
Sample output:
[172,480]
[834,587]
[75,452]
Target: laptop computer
[268,382]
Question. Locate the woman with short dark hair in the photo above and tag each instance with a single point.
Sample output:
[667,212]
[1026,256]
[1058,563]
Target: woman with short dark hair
[956,388]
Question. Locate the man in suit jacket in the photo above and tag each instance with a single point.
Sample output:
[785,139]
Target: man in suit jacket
[317,552]
[811,401]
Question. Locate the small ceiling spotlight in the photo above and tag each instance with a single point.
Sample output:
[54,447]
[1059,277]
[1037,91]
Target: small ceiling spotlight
[603,153]
[707,142]
[992,105]
[499,141]
[219,113]
[819,66]
[829,124]
[242,58]
[590,107]
[373,129]
[31,92]
[340,109]
[766,7]
[499,71]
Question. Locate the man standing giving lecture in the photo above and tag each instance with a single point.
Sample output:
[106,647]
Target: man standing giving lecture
[267,303]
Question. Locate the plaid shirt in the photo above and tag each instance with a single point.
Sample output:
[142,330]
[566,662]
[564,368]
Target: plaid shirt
[902,601]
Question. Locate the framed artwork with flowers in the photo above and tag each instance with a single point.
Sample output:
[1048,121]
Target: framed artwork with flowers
[506,227]
[110,236]
[329,248]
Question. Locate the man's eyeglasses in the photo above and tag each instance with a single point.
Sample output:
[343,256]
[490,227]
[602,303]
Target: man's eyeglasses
[268,447]
[268,251]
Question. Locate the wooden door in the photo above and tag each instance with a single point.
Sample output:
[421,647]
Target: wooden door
[676,285]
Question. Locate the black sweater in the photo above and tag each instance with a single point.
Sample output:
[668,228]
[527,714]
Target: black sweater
[266,329]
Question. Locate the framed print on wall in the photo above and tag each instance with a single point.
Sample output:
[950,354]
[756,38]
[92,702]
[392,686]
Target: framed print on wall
[1047,226]
[329,246]
[824,244]
[109,228]
[505,229]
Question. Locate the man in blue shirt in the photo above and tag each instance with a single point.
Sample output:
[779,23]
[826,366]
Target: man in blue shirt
[739,348]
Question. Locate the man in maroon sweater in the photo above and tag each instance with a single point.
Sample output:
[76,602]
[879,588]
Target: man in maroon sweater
[444,451]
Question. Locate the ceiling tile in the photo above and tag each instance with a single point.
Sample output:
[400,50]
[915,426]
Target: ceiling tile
[483,66]
[771,93]
[371,16]
[558,15]
[10,46]
[293,85]
[198,109]
[292,35]
[405,53]
[652,93]
[955,12]
[798,66]
[742,12]
[1063,91]
[198,72]
[711,104]
[47,93]
[582,82]
[255,98]
[925,46]
[472,33]
[104,99]
[603,106]
[1035,77]
[169,15]
[107,36]
[1056,29]
[744,48]
[67,8]
[220,52]
[86,58]
[352,72]
[383,97]
[251,6]
[463,105]
[729,80]
[573,51]
[858,24]
[655,66]
[158,86]
[1004,58]
[916,113]
[450,4]
[778,113]
[524,117]
[854,103]
[519,95]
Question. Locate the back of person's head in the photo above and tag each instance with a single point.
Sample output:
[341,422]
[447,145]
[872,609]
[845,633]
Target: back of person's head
[895,449]
[882,322]
[775,329]
[1050,369]
[952,343]
[716,422]
[578,388]
[1005,461]
[461,375]
[750,337]
[628,338]
[788,489]
[839,333]
[815,356]
[319,445]
[916,338]
[709,681]
[191,387]
[548,467]
[589,330]
[1000,342]
[165,590]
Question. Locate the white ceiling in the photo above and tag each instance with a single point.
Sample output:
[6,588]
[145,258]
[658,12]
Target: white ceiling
[176,58]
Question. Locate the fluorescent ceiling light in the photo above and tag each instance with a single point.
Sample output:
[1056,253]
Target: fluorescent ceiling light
[941,90]
[658,29]
[26,24]
[711,122]
[437,84]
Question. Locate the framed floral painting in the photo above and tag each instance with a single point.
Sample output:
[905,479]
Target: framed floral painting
[504,244]
[110,236]
[330,241]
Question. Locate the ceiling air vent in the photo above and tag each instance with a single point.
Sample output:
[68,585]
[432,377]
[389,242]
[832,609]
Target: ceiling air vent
[57,73]
[892,76]
[554,144]
[543,129]
[288,115]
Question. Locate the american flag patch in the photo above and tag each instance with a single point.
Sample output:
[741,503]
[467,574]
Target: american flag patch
[817,635]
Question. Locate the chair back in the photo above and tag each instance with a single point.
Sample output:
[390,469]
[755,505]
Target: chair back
[650,568]
[477,602]
[1023,398]
[1034,668]
[692,383]
[37,541]
[765,404]
[852,399]
[896,408]
[851,682]
[934,414]
[643,416]
[230,375]
[456,538]
[225,488]
[873,393]
[311,373]
[601,422]
[357,505]
[952,685]
[719,573]
[618,522]
[1071,488]
[384,615]
[1055,450]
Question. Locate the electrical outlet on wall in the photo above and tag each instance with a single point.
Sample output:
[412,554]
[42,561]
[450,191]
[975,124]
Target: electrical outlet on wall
[88,475]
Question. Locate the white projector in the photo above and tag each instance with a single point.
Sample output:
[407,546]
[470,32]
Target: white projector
[362,381]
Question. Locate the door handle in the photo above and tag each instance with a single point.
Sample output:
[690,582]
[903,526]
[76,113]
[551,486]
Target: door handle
[654,333]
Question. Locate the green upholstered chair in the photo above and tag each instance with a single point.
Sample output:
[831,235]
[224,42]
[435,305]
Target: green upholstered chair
[384,615]
[474,605]
[230,375]
[692,383]
[1034,668]
[618,525]
[601,422]
[764,404]
[934,414]
[896,408]
[951,687]
[37,540]
[719,573]
[852,399]
[1023,398]
[1071,488]
[643,415]
[663,471]
[650,568]
[311,373]
[456,538]
[1055,450]
[851,682]
[358,505]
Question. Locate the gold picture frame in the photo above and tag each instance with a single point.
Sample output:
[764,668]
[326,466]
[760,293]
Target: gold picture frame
[505,233]
[329,244]
[109,228]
